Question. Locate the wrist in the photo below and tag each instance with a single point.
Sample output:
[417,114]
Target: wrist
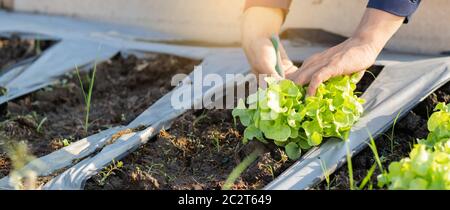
[376,28]
[261,22]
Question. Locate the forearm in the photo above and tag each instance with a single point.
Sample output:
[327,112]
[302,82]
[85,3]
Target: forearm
[261,22]
[377,27]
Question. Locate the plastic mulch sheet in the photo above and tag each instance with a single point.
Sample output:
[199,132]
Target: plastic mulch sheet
[405,80]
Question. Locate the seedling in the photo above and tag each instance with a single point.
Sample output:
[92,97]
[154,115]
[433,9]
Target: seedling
[87,96]
[373,147]
[241,167]
[109,170]
[216,143]
[39,127]
[66,142]
[199,118]
[22,178]
[326,173]
[350,168]
[270,169]
[393,130]
[368,176]
[3,91]
[283,114]
[427,166]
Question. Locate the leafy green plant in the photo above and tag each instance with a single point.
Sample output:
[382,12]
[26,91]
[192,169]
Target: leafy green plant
[438,125]
[87,96]
[284,114]
[22,178]
[428,164]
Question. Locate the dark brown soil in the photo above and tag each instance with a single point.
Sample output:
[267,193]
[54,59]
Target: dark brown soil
[15,49]
[199,152]
[124,88]
[405,133]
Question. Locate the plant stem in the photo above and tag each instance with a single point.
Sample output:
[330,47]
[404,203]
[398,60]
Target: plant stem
[350,167]
[87,97]
[241,168]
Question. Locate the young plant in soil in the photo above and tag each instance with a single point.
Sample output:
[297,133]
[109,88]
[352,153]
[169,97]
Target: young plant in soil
[87,96]
[428,164]
[283,114]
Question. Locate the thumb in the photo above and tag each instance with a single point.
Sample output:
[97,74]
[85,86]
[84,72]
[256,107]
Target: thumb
[267,60]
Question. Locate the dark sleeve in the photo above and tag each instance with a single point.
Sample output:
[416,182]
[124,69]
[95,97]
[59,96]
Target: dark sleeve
[402,8]
[282,4]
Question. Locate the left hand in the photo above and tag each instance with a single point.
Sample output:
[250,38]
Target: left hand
[353,55]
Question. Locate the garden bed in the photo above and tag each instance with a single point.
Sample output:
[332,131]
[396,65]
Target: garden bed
[199,152]
[15,49]
[53,117]
[393,145]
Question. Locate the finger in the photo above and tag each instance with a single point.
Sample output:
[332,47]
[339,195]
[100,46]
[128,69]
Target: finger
[290,70]
[305,73]
[321,76]
[360,75]
[266,59]
[288,65]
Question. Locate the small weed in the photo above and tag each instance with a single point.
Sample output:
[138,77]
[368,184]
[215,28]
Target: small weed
[393,130]
[350,167]
[237,171]
[373,147]
[270,169]
[3,91]
[87,96]
[199,118]
[39,127]
[66,142]
[326,173]
[216,142]
[109,170]
[367,178]
[20,156]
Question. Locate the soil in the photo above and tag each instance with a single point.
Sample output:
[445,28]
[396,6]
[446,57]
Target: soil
[198,152]
[405,133]
[124,87]
[15,49]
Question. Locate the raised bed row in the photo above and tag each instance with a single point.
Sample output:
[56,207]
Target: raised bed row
[53,117]
[198,152]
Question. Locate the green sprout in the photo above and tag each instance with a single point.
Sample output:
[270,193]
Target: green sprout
[350,168]
[87,96]
[241,167]
[39,127]
[109,170]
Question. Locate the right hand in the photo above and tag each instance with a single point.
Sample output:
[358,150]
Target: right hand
[258,26]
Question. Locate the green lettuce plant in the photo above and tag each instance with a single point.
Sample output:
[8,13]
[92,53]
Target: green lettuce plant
[428,164]
[283,114]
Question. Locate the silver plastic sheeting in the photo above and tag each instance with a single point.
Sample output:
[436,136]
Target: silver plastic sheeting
[82,43]
[397,89]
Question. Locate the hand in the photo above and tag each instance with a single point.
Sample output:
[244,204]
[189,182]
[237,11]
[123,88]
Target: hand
[258,26]
[353,55]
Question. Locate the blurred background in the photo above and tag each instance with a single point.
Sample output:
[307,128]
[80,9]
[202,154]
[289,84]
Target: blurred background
[218,21]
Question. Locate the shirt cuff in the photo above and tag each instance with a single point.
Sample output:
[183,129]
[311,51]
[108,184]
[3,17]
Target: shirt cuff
[402,8]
